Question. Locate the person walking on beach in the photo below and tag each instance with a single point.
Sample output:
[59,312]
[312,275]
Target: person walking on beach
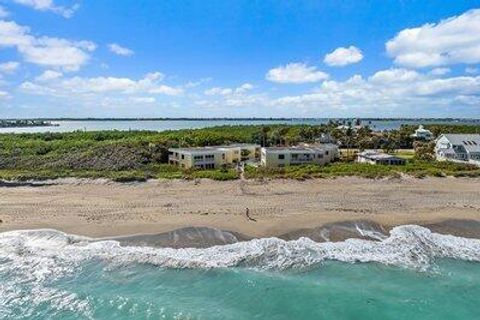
[247,213]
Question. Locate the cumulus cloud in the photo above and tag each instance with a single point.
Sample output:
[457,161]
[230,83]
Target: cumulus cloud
[398,90]
[219,91]
[296,73]
[4,95]
[451,41]
[471,70]
[119,50]
[75,86]
[240,96]
[49,75]
[343,56]
[143,100]
[440,71]
[49,5]
[45,51]
[9,67]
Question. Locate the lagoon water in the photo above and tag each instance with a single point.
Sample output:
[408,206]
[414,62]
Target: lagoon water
[162,125]
[412,274]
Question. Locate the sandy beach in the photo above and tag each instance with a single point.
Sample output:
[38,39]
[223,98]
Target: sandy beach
[99,208]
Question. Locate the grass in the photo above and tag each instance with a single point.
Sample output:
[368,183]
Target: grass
[151,172]
[142,155]
[413,168]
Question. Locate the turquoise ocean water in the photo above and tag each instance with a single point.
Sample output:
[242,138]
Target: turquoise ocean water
[413,274]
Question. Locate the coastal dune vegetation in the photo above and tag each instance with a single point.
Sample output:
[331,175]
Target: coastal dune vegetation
[141,155]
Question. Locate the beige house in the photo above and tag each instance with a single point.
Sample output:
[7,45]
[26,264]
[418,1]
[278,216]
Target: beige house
[212,157]
[288,156]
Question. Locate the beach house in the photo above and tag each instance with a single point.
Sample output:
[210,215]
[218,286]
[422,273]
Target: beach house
[302,154]
[212,157]
[422,134]
[463,148]
[375,157]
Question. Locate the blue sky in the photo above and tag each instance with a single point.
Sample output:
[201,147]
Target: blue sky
[232,58]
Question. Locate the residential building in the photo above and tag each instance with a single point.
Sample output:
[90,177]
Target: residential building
[212,157]
[287,156]
[422,134]
[464,148]
[375,157]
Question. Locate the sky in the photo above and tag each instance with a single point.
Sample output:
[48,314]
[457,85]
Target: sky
[239,58]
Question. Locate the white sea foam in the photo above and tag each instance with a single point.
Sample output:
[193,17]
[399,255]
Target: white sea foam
[37,258]
[409,246]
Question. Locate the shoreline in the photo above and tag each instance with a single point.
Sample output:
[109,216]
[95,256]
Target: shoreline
[104,209]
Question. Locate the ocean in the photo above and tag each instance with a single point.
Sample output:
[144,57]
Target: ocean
[162,125]
[411,274]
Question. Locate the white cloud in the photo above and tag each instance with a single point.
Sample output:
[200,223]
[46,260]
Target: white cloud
[48,75]
[143,100]
[193,84]
[471,70]
[3,12]
[4,95]
[296,73]
[394,75]
[440,71]
[45,51]
[216,91]
[119,50]
[100,85]
[49,5]
[240,96]
[393,90]
[219,91]
[244,88]
[9,67]
[451,41]
[343,56]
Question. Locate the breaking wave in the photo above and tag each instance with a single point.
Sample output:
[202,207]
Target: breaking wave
[31,261]
[408,246]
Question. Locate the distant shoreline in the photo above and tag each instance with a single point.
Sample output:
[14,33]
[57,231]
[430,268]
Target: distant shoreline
[241,119]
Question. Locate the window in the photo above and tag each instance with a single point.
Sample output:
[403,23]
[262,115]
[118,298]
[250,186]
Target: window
[183,156]
[209,166]
[198,158]
[320,156]
[294,156]
[223,156]
[209,156]
[281,156]
[326,153]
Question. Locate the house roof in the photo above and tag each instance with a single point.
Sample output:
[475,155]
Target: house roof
[195,150]
[471,142]
[213,149]
[294,149]
[374,155]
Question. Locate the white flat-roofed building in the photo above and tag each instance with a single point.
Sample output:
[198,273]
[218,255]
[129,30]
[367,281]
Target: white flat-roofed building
[288,156]
[375,157]
[463,148]
[212,157]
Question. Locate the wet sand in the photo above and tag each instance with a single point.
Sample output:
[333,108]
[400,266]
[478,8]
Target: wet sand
[284,208]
